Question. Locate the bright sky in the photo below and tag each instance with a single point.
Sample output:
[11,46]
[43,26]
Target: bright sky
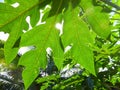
[3,36]
[1,0]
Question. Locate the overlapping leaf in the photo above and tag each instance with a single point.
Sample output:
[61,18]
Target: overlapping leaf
[13,22]
[42,37]
[98,20]
[76,32]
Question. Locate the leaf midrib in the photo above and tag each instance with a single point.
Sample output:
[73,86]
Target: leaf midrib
[20,14]
[52,25]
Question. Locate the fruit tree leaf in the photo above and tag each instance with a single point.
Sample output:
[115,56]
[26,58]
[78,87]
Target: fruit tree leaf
[42,37]
[13,21]
[76,32]
[97,19]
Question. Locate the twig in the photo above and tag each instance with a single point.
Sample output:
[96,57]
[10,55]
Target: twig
[111,4]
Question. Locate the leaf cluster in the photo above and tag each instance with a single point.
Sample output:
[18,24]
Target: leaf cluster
[85,27]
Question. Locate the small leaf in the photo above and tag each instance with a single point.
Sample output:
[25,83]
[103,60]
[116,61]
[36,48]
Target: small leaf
[29,74]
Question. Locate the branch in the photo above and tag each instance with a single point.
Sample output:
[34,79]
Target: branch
[111,4]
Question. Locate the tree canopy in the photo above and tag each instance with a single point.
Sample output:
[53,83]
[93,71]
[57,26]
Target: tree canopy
[90,28]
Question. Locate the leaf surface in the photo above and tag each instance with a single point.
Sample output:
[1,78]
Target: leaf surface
[42,37]
[76,32]
[13,21]
[97,19]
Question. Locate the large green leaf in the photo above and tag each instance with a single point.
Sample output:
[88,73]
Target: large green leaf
[42,37]
[97,19]
[76,32]
[13,21]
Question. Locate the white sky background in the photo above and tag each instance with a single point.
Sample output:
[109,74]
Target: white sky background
[3,36]
[1,0]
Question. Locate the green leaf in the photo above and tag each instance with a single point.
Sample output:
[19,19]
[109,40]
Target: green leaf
[76,32]
[42,37]
[10,50]
[13,21]
[97,19]
[48,78]
[29,74]
[32,63]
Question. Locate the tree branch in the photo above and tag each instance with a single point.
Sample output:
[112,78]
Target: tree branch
[111,4]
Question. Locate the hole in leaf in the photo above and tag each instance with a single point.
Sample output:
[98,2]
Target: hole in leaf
[25,49]
[41,16]
[42,13]
[49,51]
[24,31]
[28,21]
[67,48]
[15,5]
[59,26]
